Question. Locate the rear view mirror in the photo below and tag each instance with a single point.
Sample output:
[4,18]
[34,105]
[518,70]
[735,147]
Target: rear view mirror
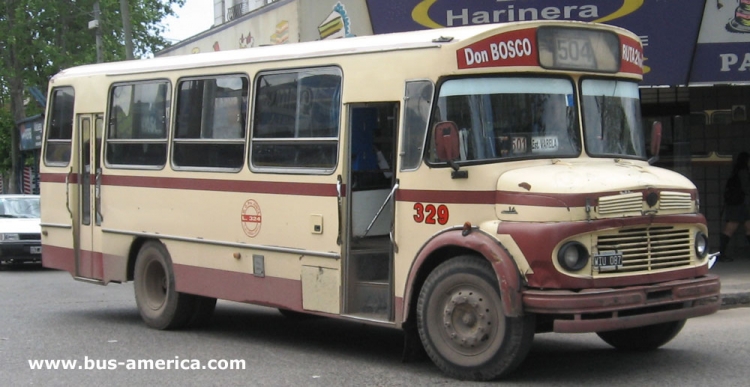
[446,141]
[655,141]
[655,138]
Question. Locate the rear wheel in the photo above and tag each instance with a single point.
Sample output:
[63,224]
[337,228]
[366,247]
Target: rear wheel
[159,304]
[462,324]
[646,338]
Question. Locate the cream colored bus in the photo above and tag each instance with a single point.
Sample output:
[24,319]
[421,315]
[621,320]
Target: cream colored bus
[471,186]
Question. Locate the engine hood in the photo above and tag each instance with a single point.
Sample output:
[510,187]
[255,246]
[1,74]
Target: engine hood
[564,177]
[587,185]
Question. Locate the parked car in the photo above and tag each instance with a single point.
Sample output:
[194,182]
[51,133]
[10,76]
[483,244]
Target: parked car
[20,230]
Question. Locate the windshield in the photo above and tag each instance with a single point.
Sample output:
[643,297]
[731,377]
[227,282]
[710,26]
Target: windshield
[612,118]
[499,118]
[19,207]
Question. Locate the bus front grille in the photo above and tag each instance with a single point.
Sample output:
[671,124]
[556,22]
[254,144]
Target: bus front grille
[648,249]
[633,204]
[620,205]
[675,201]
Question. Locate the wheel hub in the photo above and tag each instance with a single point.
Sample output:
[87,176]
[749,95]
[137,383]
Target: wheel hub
[468,319]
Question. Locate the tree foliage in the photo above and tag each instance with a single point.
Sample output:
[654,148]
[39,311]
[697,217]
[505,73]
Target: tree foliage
[6,123]
[38,38]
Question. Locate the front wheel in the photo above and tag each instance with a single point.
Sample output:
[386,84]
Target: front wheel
[646,338]
[462,324]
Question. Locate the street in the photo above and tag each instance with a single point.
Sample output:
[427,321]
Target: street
[46,315]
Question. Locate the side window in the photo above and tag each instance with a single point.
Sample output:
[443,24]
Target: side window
[416,113]
[210,124]
[137,124]
[60,127]
[296,120]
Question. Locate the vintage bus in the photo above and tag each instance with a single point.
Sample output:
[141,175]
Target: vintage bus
[470,186]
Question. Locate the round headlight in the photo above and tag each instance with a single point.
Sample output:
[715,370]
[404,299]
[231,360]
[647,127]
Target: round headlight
[572,256]
[701,244]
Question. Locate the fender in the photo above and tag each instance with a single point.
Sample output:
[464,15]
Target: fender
[505,268]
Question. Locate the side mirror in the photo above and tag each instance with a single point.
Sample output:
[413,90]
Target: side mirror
[655,141]
[446,141]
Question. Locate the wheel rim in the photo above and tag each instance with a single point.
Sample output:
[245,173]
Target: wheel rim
[155,285]
[470,321]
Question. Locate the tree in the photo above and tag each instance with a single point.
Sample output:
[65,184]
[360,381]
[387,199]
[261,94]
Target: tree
[38,38]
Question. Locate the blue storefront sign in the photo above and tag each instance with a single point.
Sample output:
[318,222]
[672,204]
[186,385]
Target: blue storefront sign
[723,50]
[31,133]
[669,29]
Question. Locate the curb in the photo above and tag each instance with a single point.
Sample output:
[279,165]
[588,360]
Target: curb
[735,300]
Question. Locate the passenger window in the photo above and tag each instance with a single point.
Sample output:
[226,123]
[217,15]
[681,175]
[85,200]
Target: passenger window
[137,124]
[210,124]
[60,127]
[296,120]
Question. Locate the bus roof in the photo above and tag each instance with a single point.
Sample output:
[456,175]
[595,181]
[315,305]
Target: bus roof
[316,49]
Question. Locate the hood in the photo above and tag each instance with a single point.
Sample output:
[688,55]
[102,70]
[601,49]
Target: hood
[20,225]
[587,189]
[589,176]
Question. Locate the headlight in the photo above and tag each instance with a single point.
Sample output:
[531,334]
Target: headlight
[9,237]
[701,244]
[573,256]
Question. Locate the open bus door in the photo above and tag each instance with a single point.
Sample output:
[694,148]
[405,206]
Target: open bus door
[368,279]
[87,230]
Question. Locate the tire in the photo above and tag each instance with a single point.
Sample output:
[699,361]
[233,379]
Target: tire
[462,325]
[646,338]
[159,304]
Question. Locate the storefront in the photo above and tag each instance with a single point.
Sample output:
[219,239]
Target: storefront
[30,144]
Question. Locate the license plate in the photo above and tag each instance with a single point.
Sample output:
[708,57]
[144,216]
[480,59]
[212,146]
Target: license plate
[608,261]
[35,249]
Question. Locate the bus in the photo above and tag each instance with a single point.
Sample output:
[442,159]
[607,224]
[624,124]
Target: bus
[469,186]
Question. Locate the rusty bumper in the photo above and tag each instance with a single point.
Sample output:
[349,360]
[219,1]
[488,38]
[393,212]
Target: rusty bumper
[596,310]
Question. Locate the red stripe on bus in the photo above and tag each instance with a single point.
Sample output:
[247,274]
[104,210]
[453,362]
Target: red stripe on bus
[91,263]
[60,258]
[305,189]
[58,178]
[241,287]
[492,197]
[286,188]
[512,198]
[453,197]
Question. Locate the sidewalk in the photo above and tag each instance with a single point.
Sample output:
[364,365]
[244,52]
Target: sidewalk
[735,282]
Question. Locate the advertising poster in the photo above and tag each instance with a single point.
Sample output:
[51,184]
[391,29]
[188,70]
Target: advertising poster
[668,28]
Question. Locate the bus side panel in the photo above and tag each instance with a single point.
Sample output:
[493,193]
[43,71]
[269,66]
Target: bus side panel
[227,244]
[57,230]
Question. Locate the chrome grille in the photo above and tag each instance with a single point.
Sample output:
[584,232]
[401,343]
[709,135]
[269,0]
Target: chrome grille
[675,201]
[30,237]
[646,249]
[620,205]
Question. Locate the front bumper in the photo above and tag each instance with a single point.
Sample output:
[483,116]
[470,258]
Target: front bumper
[24,251]
[596,310]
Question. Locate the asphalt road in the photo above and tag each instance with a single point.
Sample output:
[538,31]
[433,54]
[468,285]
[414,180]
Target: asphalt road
[46,315]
